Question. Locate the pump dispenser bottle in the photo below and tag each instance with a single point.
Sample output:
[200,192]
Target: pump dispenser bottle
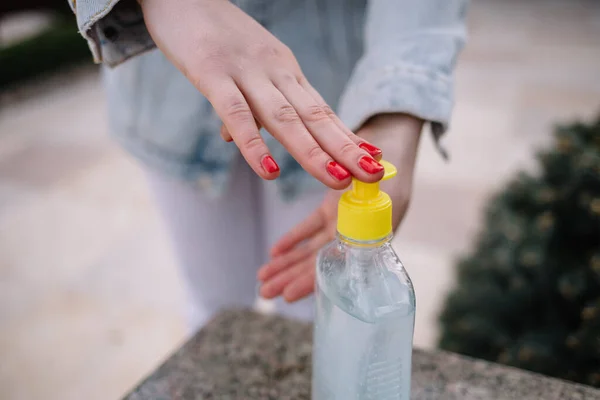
[365,304]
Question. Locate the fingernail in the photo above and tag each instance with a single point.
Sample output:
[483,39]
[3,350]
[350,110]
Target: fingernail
[369,148]
[369,165]
[338,171]
[269,164]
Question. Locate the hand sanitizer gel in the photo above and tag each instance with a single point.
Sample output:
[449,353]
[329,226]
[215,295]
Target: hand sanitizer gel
[365,304]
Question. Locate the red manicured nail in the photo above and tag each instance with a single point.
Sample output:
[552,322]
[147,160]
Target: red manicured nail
[338,171]
[369,148]
[269,164]
[369,165]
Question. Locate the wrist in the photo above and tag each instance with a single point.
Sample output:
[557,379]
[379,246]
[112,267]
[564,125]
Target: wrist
[397,135]
[396,122]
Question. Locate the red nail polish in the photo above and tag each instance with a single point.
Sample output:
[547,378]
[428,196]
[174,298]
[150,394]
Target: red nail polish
[370,165]
[269,164]
[369,148]
[338,171]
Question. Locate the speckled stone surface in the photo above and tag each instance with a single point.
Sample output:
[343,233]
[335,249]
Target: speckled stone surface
[244,355]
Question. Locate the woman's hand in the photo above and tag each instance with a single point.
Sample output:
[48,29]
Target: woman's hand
[253,80]
[291,271]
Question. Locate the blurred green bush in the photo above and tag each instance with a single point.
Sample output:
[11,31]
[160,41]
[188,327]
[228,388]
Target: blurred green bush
[56,47]
[528,295]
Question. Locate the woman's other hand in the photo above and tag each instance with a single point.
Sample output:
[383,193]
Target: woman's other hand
[291,271]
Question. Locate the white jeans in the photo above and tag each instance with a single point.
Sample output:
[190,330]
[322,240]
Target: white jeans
[221,243]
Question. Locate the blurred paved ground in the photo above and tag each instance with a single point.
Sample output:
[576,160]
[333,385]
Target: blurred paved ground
[90,298]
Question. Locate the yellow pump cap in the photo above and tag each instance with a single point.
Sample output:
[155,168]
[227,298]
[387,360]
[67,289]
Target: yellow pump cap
[365,212]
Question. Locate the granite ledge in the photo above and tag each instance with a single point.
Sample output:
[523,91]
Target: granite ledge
[244,355]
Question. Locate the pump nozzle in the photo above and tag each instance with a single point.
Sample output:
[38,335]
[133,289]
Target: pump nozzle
[365,212]
[368,191]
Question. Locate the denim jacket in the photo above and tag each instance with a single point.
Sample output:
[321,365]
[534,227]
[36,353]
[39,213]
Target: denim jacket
[365,57]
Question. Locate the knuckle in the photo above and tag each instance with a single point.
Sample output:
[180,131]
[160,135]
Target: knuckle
[348,148]
[266,50]
[316,113]
[302,80]
[287,78]
[236,108]
[254,142]
[278,53]
[286,114]
[314,153]
[327,110]
[282,51]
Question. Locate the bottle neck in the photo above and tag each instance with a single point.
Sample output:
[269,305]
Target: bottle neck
[365,244]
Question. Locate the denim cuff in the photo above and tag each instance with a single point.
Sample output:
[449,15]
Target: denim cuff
[399,88]
[115,30]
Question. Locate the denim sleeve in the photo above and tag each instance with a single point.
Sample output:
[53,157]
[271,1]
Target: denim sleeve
[410,49]
[115,29]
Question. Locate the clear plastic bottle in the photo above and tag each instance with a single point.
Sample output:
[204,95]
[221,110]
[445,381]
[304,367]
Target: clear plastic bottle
[365,305]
